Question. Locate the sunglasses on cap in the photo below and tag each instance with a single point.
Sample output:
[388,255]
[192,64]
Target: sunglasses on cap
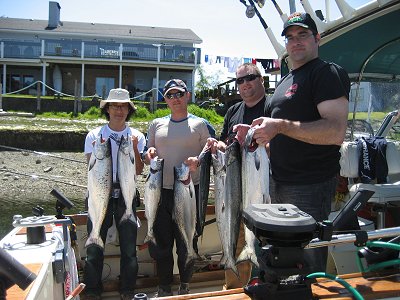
[175,95]
[249,77]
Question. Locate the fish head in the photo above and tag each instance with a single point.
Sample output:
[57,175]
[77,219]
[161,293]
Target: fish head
[125,145]
[156,164]
[250,144]
[232,153]
[102,149]
[218,161]
[182,173]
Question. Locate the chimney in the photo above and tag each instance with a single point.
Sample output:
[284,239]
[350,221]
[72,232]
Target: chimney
[54,14]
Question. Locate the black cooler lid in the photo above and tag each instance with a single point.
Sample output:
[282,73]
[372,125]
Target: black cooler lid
[280,224]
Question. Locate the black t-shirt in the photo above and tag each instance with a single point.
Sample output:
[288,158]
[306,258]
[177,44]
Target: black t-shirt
[239,113]
[296,98]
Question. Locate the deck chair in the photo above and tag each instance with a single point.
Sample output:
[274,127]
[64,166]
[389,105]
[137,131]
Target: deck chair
[385,193]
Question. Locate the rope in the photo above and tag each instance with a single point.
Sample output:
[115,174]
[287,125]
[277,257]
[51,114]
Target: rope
[43,154]
[68,95]
[34,176]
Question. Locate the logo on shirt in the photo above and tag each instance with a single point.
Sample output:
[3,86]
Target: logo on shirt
[291,91]
[115,138]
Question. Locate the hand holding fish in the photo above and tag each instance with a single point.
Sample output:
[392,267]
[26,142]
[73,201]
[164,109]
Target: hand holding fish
[214,145]
[135,141]
[192,163]
[241,132]
[265,129]
[150,154]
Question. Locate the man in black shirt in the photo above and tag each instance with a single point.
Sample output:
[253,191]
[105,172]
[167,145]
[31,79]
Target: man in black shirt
[305,126]
[251,88]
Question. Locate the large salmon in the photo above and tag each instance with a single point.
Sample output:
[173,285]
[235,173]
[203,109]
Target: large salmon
[228,201]
[99,188]
[204,187]
[126,175]
[184,212]
[255,187]
[152,195]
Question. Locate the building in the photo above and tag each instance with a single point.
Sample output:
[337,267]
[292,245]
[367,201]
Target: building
[85,59]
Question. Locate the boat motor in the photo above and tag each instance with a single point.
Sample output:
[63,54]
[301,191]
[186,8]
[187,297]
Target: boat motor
[283,231]
[13,272]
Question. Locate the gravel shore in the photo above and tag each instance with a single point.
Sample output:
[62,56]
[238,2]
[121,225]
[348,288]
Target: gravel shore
[27,178]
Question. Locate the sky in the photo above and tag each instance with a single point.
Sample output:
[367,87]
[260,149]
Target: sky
[221,24]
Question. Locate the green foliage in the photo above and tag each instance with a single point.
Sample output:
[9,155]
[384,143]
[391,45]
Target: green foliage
[142,113]
[57,114]
[208,114]
[159,113]
[92,113]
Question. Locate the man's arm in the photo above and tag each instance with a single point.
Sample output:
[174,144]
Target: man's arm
[329,130]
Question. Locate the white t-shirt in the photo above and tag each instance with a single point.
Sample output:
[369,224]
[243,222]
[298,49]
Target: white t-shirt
[115,137]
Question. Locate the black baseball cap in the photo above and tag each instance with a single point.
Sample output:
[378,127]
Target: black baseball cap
[174,84]
[302,20]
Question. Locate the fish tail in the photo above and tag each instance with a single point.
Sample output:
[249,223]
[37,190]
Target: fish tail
[97,241]
[247,254]
[230,264]
[128,217]
[150,239]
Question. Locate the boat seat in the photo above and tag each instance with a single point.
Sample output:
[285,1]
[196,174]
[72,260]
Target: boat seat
[387,193]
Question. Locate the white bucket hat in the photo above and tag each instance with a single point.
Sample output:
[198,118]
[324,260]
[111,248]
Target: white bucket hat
[117,96]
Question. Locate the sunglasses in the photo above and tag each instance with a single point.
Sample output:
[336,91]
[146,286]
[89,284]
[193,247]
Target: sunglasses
[118,107]
[249,77]
[175,95]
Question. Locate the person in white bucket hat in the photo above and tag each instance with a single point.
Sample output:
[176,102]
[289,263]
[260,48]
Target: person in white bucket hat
[118,109]
[118,96]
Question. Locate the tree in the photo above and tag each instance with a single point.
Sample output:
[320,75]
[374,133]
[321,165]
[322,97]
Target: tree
[206,81]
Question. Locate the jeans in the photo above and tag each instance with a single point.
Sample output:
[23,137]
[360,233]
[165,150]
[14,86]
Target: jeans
[95,256]
[314,199]
[166,231]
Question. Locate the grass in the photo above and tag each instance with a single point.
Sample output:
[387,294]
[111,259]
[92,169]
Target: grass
[141,114]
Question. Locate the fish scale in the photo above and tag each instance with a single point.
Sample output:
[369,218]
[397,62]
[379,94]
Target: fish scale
[228,201]
[184,212]
[126,174]
[255,188]
[152,196]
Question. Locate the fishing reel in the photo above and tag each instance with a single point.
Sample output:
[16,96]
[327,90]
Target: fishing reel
[284,231]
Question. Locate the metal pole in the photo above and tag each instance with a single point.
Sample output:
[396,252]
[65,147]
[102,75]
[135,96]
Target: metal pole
[351,238]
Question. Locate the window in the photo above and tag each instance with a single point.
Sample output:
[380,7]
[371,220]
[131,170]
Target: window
[104,85]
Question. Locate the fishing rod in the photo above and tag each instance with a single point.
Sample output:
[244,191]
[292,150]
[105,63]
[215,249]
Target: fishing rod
[251,9]
[34,176]
[43,154]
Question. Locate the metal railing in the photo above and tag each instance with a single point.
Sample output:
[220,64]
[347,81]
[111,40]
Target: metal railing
[97,49]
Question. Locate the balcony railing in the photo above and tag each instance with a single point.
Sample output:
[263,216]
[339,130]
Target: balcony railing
[100,50]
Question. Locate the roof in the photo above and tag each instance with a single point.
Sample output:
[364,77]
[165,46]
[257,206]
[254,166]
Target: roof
[368,44]
[102,30]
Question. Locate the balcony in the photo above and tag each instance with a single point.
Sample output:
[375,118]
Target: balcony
[18,49]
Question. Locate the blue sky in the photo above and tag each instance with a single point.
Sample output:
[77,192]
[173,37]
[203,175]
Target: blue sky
[221,24]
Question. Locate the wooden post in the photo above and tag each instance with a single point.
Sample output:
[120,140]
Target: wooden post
[75,97]
[153,101]
[38,99]
[79,100]
[103,92]
[1,97]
